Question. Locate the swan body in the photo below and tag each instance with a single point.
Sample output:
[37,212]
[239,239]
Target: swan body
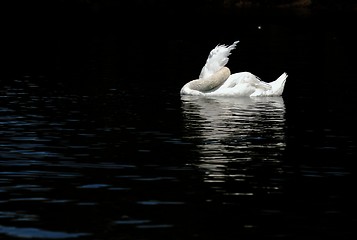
[216,79]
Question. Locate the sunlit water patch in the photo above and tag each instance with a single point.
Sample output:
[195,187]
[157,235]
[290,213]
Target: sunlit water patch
[239,141]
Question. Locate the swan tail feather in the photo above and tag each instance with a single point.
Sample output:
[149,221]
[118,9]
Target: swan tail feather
[276,87]
[263,86]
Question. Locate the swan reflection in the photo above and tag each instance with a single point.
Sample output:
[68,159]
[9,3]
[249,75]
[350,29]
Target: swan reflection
[240,139]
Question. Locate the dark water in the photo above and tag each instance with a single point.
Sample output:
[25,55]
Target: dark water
[96,142]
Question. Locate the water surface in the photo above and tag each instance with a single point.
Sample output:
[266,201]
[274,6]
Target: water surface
[94,148]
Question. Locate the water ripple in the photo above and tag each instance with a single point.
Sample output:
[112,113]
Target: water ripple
[22,232]
[235,137]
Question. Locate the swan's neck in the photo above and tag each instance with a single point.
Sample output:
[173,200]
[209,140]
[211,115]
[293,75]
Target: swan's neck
[212,82]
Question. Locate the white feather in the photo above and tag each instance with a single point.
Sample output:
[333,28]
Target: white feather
[216,79]
[277,87]
[217,59]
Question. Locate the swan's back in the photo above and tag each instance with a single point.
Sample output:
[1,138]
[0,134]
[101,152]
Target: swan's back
[217,59]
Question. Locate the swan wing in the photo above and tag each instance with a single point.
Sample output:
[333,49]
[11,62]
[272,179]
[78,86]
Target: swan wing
[217,59]
[247,78]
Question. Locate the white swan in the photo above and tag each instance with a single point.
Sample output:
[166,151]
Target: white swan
[216,79]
